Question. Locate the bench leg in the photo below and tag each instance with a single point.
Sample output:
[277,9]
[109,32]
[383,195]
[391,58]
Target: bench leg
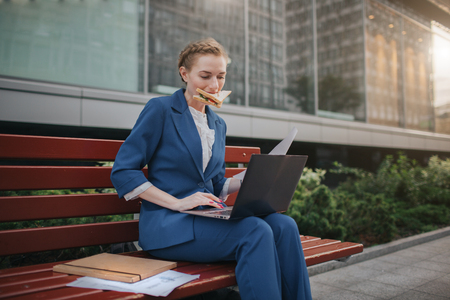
[344,259]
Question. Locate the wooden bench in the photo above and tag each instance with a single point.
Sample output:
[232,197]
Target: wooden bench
[51,163]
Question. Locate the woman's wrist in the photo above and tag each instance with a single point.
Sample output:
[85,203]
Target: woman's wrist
[161,198]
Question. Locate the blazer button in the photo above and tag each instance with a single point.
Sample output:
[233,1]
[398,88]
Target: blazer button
[201,184]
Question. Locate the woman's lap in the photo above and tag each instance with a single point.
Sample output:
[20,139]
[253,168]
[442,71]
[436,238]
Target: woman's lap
[218,240]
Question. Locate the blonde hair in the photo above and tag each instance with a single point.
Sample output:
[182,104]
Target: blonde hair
[189,55]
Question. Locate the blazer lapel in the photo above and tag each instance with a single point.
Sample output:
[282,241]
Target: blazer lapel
[185,125]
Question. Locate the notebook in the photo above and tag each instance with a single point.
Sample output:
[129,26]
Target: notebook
[268,187]
[115,267]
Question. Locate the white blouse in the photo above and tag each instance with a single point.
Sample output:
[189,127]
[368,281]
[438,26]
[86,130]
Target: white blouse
[207,137]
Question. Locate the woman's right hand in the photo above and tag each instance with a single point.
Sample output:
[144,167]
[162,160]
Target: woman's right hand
[199,199]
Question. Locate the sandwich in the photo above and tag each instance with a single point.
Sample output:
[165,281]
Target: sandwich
[212,99]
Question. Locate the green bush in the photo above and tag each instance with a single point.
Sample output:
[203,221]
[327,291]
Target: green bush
[411,220]
[317,214]
[400,199]
[368,217]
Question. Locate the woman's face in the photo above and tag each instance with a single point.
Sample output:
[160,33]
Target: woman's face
[207,73]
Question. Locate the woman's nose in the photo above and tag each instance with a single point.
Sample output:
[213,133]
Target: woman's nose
[214,84]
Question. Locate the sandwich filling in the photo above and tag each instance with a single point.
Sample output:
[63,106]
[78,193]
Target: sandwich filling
[207,99]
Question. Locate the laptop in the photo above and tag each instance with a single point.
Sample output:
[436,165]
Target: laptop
[268,187]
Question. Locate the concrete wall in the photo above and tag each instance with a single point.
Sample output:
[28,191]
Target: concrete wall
[36,102]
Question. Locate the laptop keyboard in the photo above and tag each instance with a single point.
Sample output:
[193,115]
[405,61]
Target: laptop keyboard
[220,212]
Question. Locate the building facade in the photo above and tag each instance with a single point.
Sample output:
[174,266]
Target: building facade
[358,78]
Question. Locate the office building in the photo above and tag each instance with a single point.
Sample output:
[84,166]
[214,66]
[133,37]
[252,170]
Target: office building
[359,78]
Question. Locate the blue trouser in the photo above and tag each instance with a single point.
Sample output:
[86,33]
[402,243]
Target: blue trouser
[268,251]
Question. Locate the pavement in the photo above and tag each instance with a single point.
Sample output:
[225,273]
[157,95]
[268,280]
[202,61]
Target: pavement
[412,268]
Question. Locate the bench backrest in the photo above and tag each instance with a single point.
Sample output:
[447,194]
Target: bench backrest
[53,163]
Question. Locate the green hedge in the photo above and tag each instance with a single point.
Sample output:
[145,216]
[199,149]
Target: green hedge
[400,199]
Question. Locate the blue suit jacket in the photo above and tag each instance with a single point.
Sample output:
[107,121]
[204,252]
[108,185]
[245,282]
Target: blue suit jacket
[165,137]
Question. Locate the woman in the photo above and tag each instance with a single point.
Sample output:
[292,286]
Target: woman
[183,143]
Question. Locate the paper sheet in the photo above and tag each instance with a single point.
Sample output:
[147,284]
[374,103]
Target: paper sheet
[159,285]
[280,149]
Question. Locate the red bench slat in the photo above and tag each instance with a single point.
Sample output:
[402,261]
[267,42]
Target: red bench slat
[63,293]
[49,178]
[52,238]
[36,286]
[107,295]
[58,148]
[234,154]
[331,252]
[42,147]
[318,243]
[308,238]
[23,208]
[27,270]
[25,279]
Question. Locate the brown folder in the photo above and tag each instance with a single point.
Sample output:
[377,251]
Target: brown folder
[115,267]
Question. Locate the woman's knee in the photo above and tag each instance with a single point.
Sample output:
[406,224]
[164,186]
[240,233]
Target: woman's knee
[256,229]
[282,224]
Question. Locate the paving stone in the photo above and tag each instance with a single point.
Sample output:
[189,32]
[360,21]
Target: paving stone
[379,264]
[436,248]
[359,272]
[438,287]
[414,254]
[419,272]
[400,280]
[433,265]
[346,295]
[441,258]
[416,295]
[336,280]
[398,258]
[320,290]
[376,289]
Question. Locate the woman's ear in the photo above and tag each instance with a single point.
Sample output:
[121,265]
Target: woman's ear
[184,74]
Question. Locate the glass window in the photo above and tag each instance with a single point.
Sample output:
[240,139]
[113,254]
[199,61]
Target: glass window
[284,59]
[173,24]
[441,67]
[384,66]
[399,70]
[417,65]
[341,90]
[265,56]
[265,26]
[253,22]
[90,43]
[264,5]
